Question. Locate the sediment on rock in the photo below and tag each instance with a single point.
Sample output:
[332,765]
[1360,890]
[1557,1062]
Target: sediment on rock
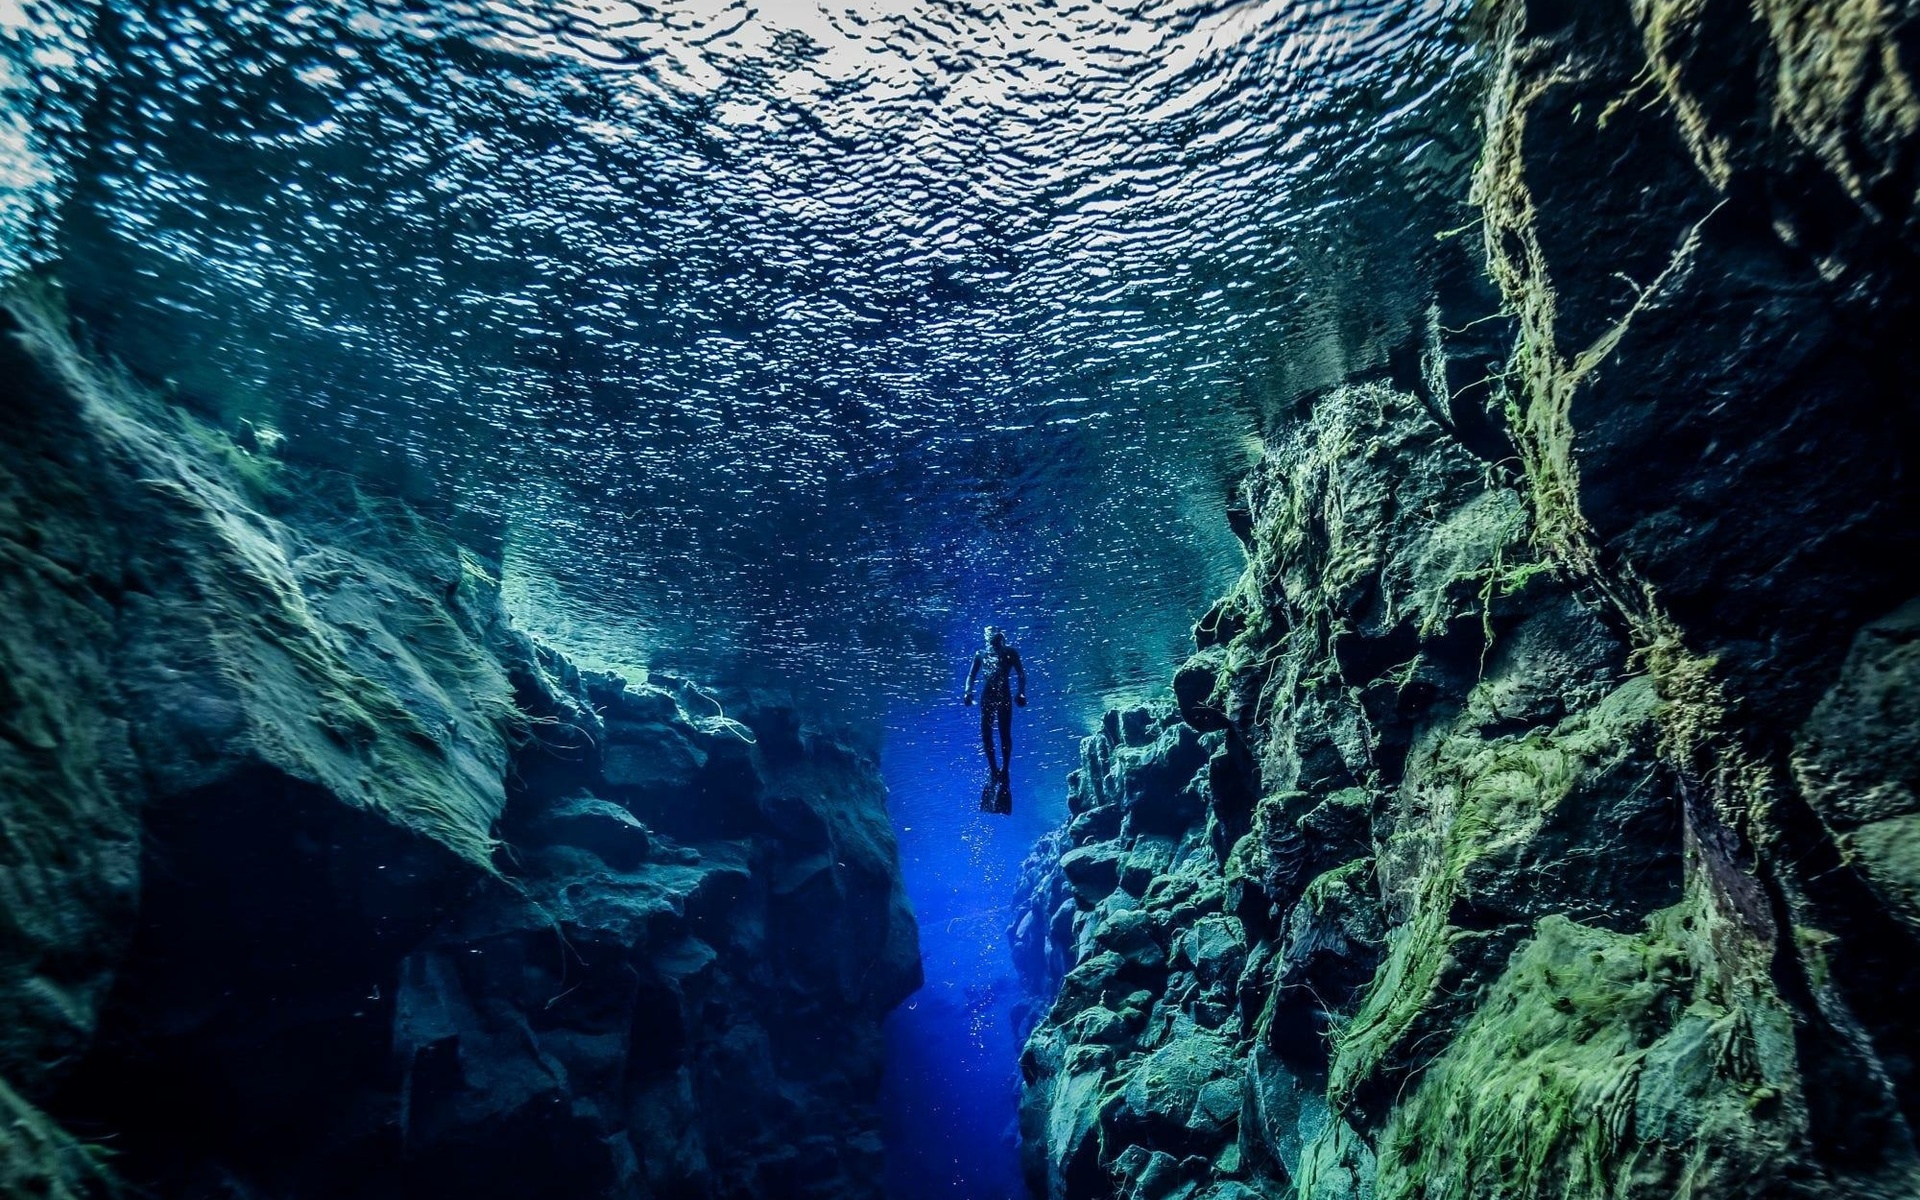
[323,880]
[1532,820]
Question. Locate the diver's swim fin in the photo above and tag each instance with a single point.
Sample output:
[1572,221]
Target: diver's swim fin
[997,796]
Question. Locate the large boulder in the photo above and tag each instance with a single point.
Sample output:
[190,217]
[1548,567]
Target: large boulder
[323,880]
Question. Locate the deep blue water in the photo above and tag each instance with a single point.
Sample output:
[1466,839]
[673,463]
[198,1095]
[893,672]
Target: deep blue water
[776,346]
[756,333]
[952,1050]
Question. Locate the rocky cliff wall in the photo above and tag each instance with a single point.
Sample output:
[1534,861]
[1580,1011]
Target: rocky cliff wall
[1534,818]
[322,880]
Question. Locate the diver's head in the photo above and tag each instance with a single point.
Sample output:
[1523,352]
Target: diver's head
[995,638]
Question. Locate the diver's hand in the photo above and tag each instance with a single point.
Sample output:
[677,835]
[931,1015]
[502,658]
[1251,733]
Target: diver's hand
[967,699]
[1021,699]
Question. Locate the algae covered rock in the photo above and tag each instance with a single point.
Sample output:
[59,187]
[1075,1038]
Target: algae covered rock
[1599,1064]
[1242,827]
[1857,755]
[1559,811]
[323,880]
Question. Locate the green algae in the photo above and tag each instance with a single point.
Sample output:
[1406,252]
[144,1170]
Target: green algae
[1484,802]
[1600,1064]
[1530,1030]
[1337,1164]
[1541,378]
[1367,520]
[1699,734]
[257,474]
[1535,1094]
[1838,83]
[1336,885]
[38,1158]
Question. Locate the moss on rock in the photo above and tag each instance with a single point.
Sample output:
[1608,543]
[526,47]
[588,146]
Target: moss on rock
[1533,902]
[1596,1065]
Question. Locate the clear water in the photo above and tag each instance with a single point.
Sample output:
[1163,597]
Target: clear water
[778,344]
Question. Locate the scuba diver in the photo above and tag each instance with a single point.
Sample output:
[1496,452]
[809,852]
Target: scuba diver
[1000,662]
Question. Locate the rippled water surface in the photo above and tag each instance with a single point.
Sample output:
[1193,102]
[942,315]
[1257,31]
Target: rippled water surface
[779,342]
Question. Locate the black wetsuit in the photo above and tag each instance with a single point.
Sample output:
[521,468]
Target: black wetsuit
[999,664]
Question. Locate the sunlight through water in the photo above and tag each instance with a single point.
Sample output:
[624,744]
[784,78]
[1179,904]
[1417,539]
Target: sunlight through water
[754,334]
[778,345]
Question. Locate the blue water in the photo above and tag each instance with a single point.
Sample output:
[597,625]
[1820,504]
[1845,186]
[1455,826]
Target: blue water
[756,333]
[781,346]
[952,1049]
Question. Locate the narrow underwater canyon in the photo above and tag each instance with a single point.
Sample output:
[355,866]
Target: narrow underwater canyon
[1532,813]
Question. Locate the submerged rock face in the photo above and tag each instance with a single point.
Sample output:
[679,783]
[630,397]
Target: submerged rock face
[323,881]
[1429,753]
[1535,815]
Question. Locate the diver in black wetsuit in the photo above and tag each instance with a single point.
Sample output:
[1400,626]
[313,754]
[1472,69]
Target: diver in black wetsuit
[1000,663]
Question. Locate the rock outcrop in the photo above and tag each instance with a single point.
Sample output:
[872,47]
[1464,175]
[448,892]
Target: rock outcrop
[1535,816]
[322,880]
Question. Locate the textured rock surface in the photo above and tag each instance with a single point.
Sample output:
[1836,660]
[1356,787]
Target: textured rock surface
[321,880]
[1535,817]
[1857,755]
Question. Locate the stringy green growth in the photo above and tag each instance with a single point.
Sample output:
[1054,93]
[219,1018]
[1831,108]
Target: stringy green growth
[1603,1064]
[1337,1164]
[333,635]
[1697,735]
[1336,530]
[1337,885]
[1340,536]
[1845,84]
[38,1158]
[1537,372]
[1486,547]
[1697,731]
[1669,27]
[1404,986]
[1270,583]
[1485,801]
[260,476]
[1542,382]
[1255,596]
[1535,1097]
[1541,378]
[1841,84]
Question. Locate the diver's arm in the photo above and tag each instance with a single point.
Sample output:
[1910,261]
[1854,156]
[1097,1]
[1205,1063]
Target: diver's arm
[973,673]
[1020,670]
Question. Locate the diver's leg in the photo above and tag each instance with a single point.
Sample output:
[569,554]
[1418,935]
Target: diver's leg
[986,734]
[1003,792]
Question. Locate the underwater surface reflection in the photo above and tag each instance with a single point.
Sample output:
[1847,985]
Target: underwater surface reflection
[779,346]
[753,336]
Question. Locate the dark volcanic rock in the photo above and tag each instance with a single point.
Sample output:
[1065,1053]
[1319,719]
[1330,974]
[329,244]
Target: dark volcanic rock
[667,1018]
[323,881]
[604,829]
[1558,834]
[1858,756]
